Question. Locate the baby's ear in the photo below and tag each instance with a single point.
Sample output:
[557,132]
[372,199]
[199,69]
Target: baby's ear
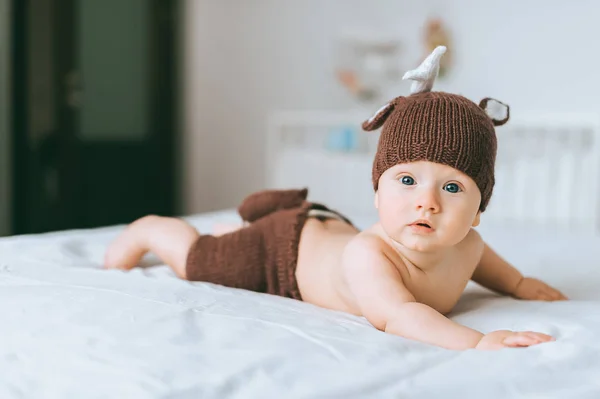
[375,122]
[498,112]
[477,219]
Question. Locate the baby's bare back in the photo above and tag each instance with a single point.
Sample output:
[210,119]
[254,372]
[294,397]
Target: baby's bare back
[319,270]
[324,274]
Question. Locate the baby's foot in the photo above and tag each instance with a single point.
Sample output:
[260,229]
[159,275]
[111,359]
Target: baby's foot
[126,251]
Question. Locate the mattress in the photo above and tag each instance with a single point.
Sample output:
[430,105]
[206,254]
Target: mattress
[71,330]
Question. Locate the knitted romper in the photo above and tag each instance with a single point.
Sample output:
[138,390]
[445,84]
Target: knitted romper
[262,255]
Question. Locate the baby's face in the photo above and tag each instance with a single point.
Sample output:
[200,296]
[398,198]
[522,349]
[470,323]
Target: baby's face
[426,206]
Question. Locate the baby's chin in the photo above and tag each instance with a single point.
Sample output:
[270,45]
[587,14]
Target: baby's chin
[421,243]
[418,244]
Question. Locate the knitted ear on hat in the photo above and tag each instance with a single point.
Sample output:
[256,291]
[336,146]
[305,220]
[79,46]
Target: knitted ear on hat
[375,122]
[423,79]
[498,112]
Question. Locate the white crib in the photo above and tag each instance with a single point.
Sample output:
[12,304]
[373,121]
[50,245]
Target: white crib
[547,170]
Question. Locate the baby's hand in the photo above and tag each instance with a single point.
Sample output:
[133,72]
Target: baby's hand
[533,289]
[511,339]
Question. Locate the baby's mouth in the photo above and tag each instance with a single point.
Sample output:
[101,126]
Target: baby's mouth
[423,225]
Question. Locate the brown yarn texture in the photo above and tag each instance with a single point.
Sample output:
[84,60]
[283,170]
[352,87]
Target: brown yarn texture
[438,127]
[260,257]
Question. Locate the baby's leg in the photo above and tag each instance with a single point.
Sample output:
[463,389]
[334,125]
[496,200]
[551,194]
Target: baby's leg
[169,238]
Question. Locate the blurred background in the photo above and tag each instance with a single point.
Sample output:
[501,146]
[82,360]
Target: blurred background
[113,109]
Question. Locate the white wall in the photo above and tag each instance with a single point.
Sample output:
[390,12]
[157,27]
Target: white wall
[244,59]
[5,160]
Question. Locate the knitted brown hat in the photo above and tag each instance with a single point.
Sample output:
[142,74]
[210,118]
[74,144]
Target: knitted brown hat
[439,127]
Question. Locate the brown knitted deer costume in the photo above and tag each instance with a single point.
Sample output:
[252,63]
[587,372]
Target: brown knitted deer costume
[432,126]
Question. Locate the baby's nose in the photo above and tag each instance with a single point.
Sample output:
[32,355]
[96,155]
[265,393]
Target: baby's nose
[428,202]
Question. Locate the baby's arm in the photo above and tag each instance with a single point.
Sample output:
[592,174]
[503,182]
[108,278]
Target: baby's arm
[496,274]
[385,301]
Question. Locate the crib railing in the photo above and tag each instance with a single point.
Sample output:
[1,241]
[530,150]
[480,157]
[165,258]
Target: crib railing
[546,170]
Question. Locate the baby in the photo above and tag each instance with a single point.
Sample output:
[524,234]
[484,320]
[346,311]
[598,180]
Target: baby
[433,176]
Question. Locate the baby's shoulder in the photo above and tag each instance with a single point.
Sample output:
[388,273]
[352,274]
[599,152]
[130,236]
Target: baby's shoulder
[366,242]
[472,245]
[472,238]
[368,249]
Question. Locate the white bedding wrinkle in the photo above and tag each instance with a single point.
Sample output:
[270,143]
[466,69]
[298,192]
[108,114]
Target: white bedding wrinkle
[72,330]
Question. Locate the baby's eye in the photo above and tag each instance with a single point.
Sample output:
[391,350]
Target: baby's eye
[452,188]
[409,181]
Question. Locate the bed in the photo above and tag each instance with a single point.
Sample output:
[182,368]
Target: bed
[72,330]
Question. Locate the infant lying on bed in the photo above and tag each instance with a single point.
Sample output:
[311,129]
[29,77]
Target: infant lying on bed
[433,176]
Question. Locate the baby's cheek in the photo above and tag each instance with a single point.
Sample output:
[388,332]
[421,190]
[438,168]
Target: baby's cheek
[392,227]
[388,213]
[459,228]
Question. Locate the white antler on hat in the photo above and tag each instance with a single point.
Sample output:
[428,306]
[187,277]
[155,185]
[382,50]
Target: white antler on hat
[424,76]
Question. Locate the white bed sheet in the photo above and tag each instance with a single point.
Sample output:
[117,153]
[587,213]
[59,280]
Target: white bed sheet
[70,330]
